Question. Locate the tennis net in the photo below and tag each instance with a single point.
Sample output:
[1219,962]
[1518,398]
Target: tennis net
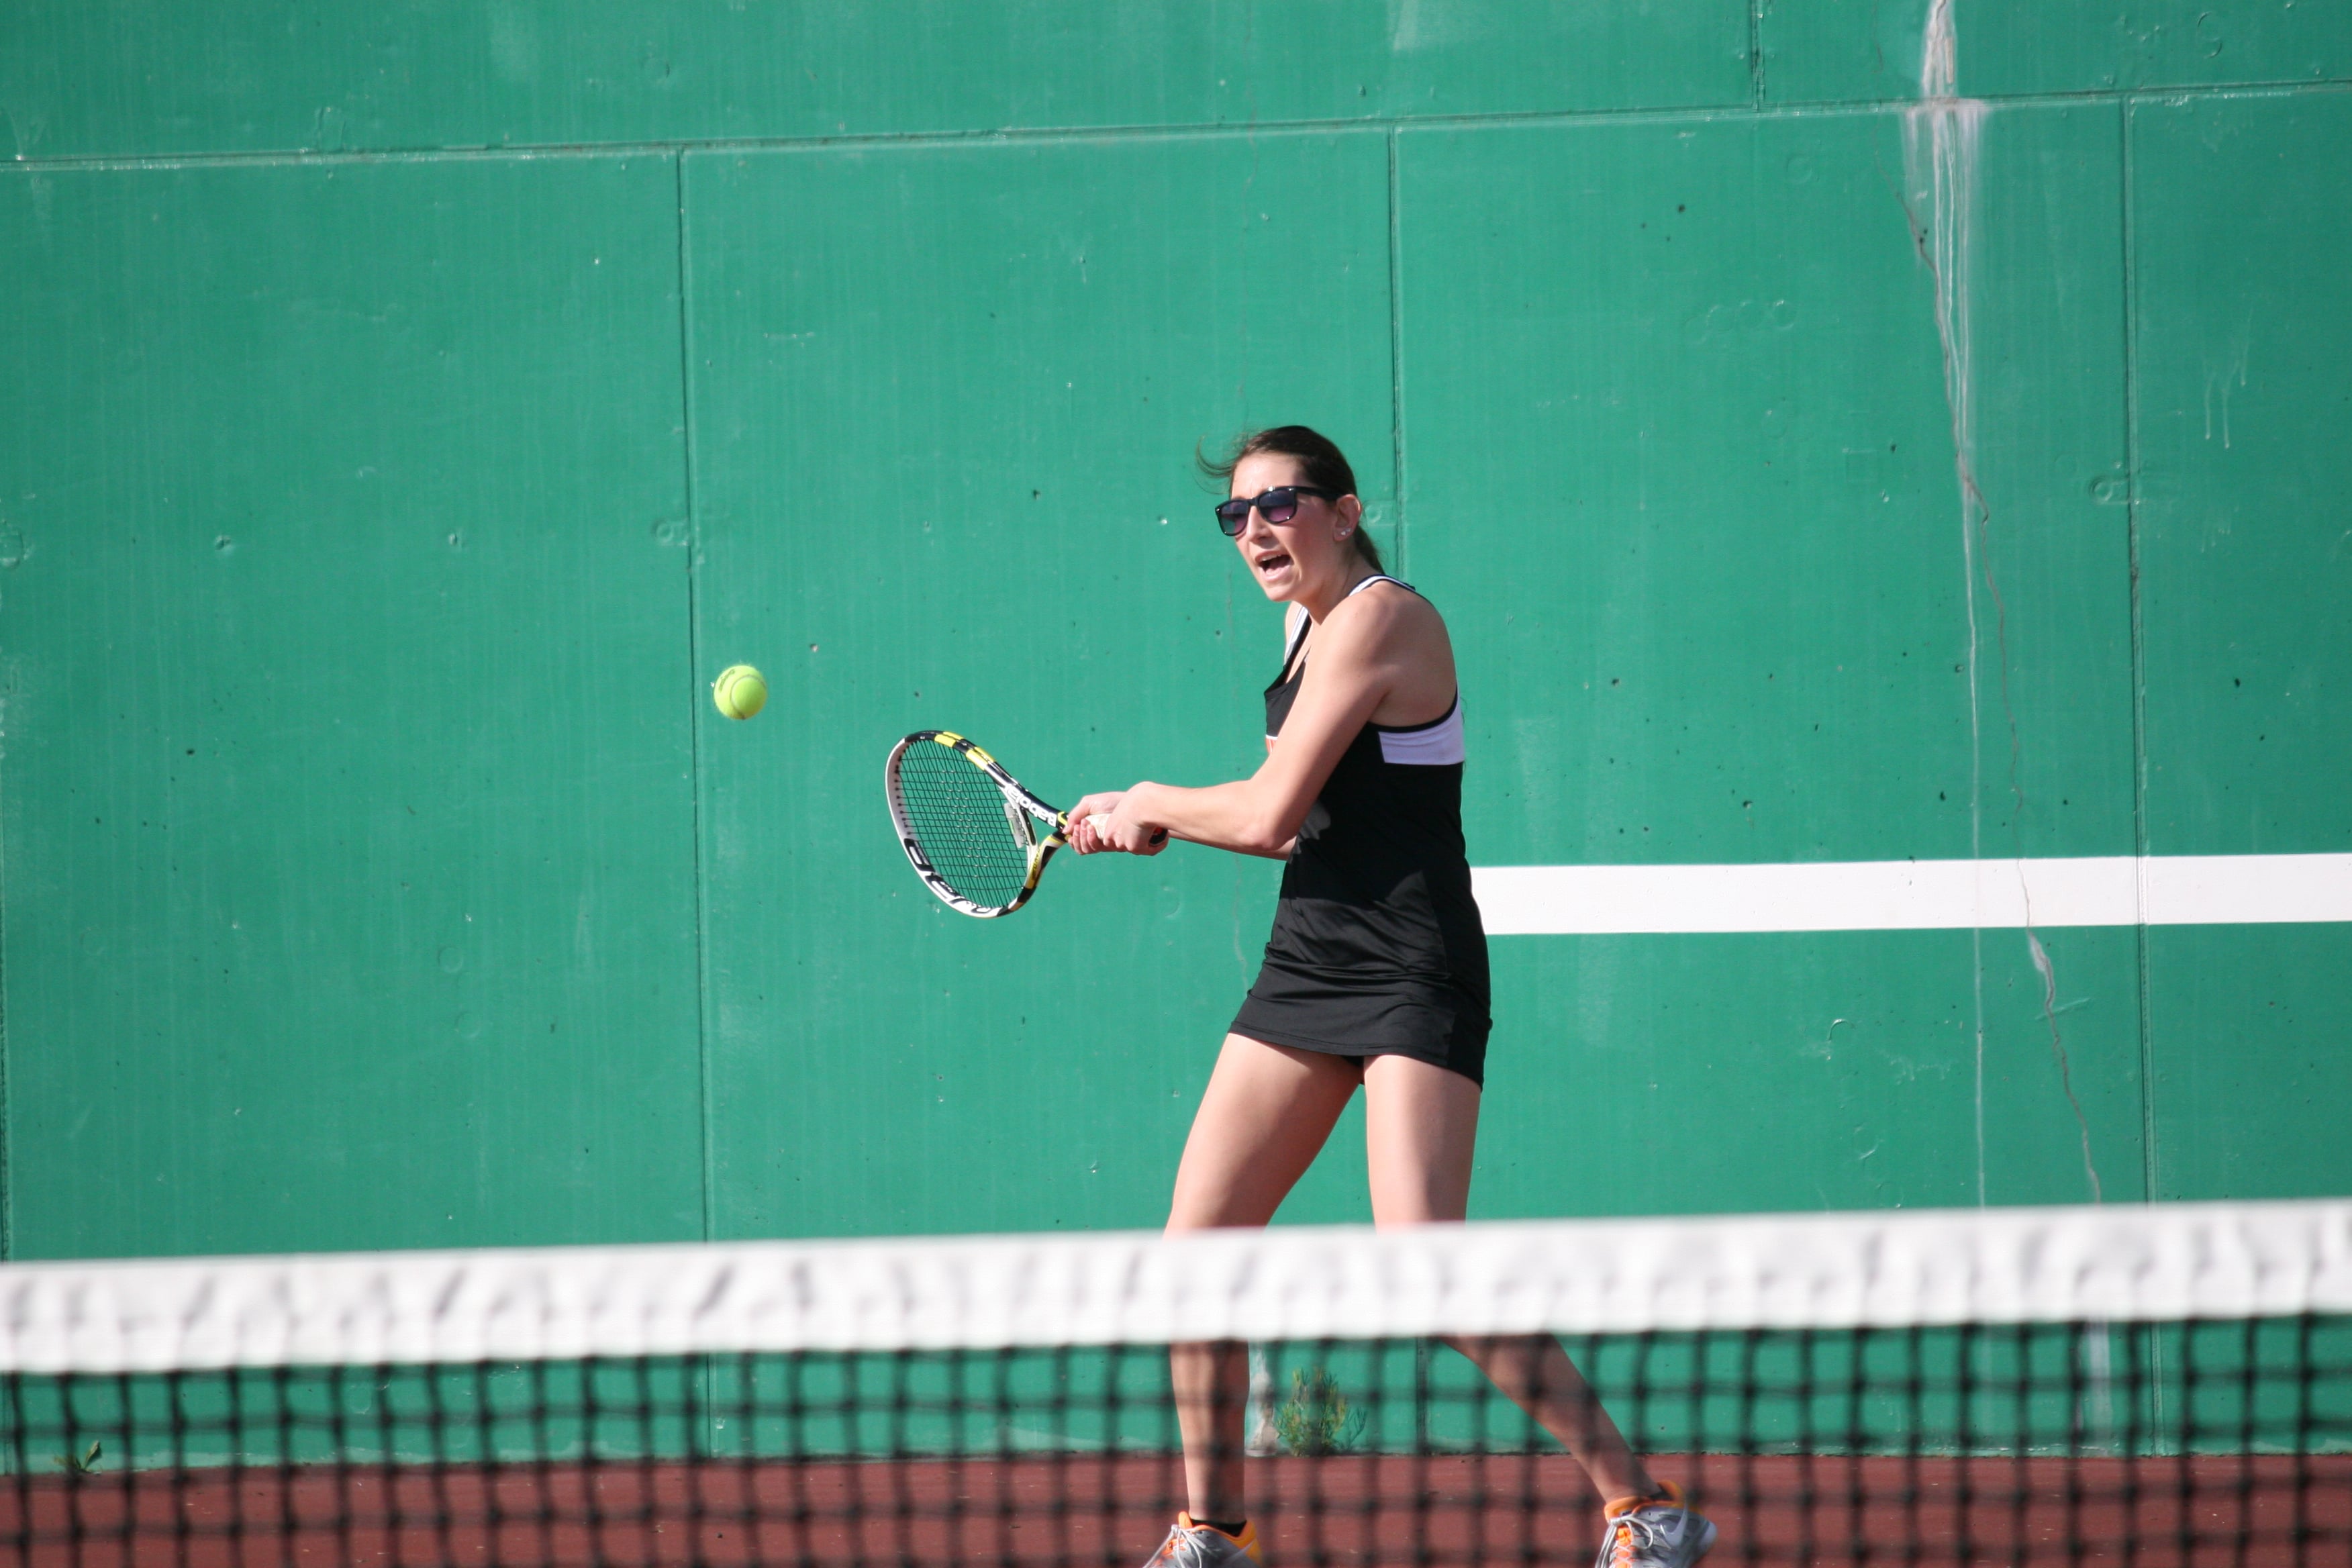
[2151,1385]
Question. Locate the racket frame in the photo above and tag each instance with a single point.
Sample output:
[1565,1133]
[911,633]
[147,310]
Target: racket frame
[1022,811]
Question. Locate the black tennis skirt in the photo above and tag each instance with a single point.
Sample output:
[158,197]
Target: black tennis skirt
[1436,1024]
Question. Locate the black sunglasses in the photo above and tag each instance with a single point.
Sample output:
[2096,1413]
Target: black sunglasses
[1279,504]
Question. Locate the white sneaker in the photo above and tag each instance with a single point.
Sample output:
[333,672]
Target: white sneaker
[1653,1532]
[1191,1545]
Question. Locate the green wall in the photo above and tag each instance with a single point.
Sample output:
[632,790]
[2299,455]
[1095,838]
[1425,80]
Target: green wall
[405,415]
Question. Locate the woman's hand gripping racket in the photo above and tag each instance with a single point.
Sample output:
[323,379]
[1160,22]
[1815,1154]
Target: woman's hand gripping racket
[969,828]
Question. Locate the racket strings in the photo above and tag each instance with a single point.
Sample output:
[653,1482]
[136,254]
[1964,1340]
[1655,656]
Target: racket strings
[975,839]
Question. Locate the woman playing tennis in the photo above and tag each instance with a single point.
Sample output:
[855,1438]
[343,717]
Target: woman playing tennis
[1375,974]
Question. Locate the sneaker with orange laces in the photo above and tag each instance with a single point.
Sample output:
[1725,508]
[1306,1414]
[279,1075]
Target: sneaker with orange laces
[1194,1545]
[1658,1531]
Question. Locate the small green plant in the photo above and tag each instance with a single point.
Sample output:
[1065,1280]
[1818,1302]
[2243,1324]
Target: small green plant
[1316,1418]
[83,1464]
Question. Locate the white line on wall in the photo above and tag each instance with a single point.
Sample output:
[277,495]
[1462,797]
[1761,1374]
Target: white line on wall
[1916,895]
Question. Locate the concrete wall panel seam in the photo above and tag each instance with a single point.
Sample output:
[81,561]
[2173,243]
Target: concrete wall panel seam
[693,695]
[846,141]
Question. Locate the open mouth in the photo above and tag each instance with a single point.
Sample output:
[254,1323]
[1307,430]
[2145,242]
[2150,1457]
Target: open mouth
[1273,561]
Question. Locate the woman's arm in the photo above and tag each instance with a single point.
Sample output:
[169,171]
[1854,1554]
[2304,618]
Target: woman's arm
[1356,660]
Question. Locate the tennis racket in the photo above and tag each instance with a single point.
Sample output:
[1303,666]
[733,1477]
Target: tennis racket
[969,829]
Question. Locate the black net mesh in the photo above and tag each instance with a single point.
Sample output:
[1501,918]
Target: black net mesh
[971,836]
[2165,1443]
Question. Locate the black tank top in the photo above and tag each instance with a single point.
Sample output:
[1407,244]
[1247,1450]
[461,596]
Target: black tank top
[1378,885]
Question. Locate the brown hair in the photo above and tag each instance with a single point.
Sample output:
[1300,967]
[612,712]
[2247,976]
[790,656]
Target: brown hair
[1326,468]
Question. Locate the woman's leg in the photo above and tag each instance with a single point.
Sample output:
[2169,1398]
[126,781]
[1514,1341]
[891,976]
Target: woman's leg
[1263,1119]
[1421,1125]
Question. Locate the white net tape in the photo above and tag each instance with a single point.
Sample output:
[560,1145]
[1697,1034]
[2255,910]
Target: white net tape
[1830,1272]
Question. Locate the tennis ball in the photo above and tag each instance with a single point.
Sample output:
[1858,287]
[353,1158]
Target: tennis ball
[739,691]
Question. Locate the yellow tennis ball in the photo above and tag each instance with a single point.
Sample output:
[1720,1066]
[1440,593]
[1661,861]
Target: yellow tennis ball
[739,691]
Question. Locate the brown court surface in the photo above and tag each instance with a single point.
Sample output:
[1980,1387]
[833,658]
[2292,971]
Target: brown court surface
[1345,1509]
